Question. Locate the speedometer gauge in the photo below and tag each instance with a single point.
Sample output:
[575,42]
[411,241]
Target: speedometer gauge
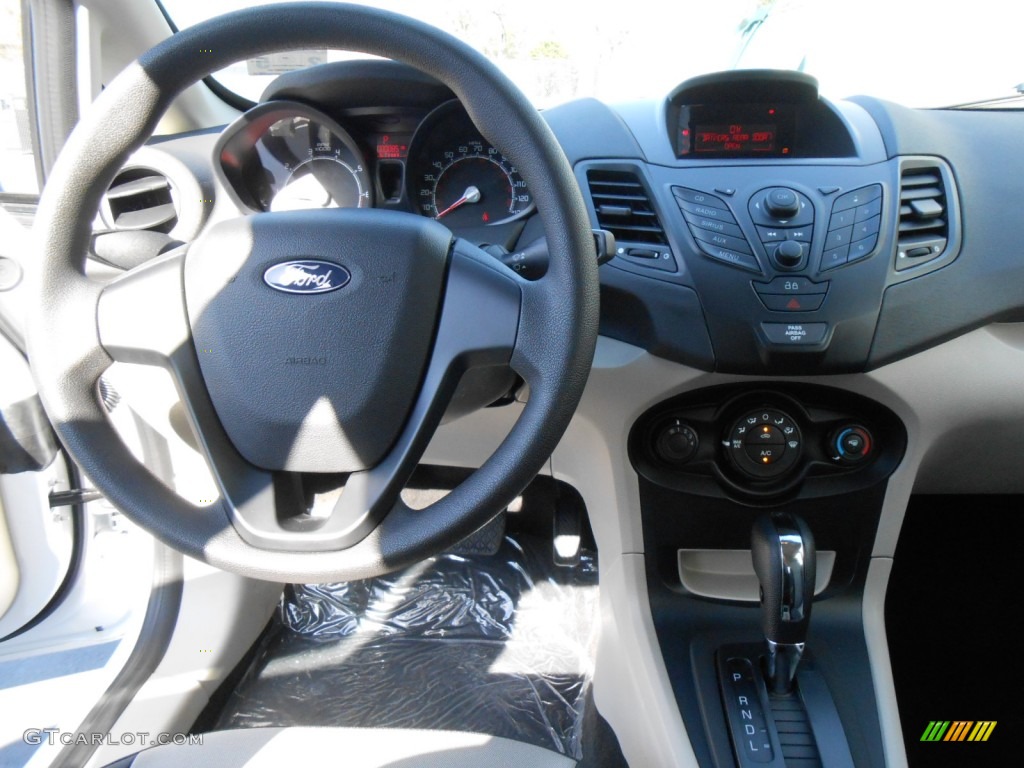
[472,184]
[457,177]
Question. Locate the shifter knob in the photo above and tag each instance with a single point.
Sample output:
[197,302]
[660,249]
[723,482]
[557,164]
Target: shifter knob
[782,549]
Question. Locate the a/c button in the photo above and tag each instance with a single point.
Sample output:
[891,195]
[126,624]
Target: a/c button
[764,454]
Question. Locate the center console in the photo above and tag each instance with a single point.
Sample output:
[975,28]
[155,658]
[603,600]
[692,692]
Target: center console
[765,467]
[765,232]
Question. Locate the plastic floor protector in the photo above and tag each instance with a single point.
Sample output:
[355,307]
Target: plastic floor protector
[501,644]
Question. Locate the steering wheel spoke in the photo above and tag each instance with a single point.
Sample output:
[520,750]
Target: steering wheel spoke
[477,328]
[141,315]
[142,319]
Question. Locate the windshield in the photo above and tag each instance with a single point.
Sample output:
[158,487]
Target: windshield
[915,52]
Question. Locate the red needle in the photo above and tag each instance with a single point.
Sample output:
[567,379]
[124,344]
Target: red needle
[471,195]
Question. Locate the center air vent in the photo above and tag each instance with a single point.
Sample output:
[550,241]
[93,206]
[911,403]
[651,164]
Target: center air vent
[623,207]
[140,199]
[924,216]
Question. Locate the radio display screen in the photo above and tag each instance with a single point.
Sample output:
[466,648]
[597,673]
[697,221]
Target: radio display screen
[735,130]
[735,137]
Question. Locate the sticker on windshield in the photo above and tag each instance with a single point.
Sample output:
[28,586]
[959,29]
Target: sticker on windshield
[279,63]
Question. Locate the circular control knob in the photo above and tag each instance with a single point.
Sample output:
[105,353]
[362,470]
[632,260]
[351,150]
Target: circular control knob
[782,203]
[764,444]
[788,254]
[676,442]
[851,444]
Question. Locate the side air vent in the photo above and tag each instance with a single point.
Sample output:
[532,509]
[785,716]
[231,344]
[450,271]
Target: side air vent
[624,209]
[140,198]
[924,216]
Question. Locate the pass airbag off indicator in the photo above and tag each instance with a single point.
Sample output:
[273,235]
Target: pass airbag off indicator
[764,444]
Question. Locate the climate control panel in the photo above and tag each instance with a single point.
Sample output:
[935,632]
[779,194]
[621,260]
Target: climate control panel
[767,443]
[764,443]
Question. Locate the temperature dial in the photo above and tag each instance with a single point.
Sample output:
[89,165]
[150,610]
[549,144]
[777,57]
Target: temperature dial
[851,444]
[764,444]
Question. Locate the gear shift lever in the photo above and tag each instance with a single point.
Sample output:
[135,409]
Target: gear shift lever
[784,560]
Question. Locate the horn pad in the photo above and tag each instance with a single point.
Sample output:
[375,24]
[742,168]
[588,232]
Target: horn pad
[313,330]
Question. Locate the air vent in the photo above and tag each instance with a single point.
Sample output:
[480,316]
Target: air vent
[623,207]
[141,199]
[924,221]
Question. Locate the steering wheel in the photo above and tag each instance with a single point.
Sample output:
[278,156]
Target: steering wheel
[349,372]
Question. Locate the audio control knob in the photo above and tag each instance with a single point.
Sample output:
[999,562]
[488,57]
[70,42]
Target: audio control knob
[782,203]
[676,442]
[788,255]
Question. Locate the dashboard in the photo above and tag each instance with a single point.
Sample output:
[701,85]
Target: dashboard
[784,266]
[761,230]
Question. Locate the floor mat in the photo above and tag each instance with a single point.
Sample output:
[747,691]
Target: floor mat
[500,645]
[952,622]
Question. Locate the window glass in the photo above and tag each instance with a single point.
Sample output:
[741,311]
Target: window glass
[918,53]
[17,165]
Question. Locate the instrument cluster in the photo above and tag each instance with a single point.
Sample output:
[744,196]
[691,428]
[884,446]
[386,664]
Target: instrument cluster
[287,155]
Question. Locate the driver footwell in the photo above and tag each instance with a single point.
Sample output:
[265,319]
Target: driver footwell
[500,644]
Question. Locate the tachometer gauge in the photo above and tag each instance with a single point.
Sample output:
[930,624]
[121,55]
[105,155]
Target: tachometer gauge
[284,156]
[330,175]
[457,177]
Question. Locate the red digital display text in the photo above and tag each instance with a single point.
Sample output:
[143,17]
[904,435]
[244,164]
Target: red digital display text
[734,137]
[391,148]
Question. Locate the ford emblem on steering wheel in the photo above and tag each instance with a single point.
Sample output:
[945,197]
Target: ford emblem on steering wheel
[307,276]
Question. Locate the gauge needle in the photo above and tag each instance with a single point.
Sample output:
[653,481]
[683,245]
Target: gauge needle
[471,195]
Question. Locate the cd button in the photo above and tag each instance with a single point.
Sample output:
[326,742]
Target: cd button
[698,198]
